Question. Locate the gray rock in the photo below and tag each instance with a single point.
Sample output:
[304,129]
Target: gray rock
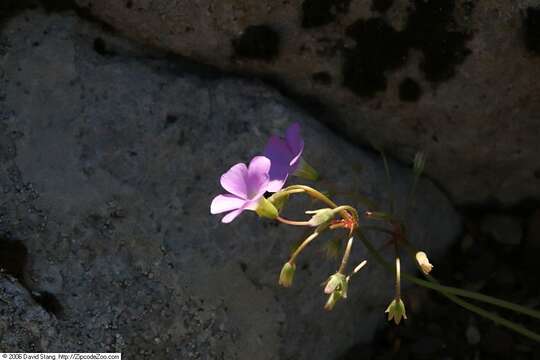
[109,162]
[24,324]
[505,229]
[458,81]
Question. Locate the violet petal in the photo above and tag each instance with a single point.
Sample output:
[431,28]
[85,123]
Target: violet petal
[234,180]
[258,176]
[231,216]
[225,202]
[295,144]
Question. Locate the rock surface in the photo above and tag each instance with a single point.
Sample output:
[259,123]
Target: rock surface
[457,79]
[505,229]
[25,326]
[109,160]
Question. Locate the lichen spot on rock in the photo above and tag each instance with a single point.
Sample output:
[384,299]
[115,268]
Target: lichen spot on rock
[322,12]
[258,42]
[531,25]
[430,29]
[381,6]
[379,48]
[409,90]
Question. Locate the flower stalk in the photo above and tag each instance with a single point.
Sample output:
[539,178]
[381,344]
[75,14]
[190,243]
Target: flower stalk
[245,189]
[306,242]
[446,290]
[346,256]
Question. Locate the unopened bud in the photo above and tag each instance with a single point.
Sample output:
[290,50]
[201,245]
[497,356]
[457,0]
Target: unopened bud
[336,286]
[332,300]
[320,216]
[396,311]
[423,262]
[419,163]
[287,274]
[306,171]
[337,283]
[278,200]
[334,282]
[266,209]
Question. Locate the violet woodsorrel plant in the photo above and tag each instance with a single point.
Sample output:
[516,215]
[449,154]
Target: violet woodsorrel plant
[247,185]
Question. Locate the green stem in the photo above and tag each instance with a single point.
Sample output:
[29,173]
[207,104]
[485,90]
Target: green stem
[410,200]
[313,193]
[292,222]
[457,291]
[450,292]
[306,242]
[389,183]
[346,255]
[398,278]
[286,193]
[473,295]
[495,318]
[321,197]
[447,291]
[348,208]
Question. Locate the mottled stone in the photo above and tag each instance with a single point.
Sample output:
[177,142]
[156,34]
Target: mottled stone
[110,157]
[476,63]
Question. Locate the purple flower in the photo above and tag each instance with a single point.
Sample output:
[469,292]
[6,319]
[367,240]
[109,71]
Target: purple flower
[246,186]
[284,155]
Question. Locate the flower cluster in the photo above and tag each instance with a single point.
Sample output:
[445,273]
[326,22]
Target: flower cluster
[246,187]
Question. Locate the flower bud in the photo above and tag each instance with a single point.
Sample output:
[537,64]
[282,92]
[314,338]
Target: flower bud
[320,216]
[396,311]
[306,171]
[337,283]
[278,200]
[419,163]
[266,209]
[423,262]
[287,274]
[332,300]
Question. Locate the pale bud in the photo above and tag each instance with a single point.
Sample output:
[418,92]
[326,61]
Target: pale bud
[423,262]
[336,286]
[320,216]
[332,300]
[278,200]
[396,311]
[334,282]
[306,171]
[287,274]
[266,209]
[419,163]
